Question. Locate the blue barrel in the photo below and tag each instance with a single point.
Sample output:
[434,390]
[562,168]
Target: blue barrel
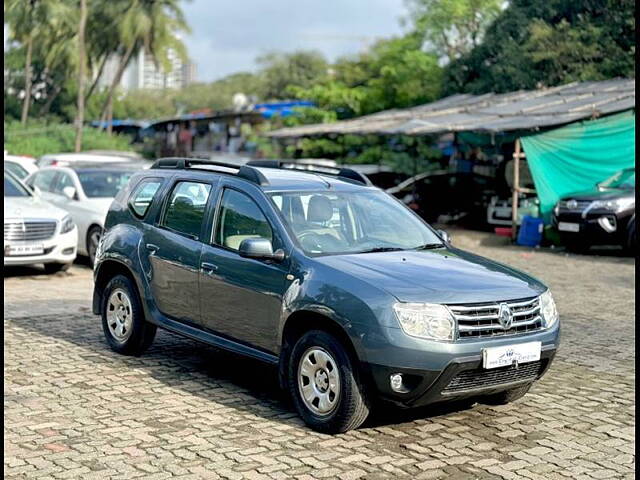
[530,232]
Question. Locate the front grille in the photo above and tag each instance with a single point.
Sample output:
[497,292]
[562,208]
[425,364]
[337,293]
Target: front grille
[573,205]
[481,320]
[29,230]
[475,379]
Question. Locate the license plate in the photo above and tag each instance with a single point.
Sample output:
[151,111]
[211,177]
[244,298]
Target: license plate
[496,357]
[13,250]
[568,227]
[503,213]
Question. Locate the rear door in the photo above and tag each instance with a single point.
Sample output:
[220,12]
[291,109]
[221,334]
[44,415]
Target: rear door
[172,248]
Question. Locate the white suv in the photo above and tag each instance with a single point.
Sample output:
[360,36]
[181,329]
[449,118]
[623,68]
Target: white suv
[36,232]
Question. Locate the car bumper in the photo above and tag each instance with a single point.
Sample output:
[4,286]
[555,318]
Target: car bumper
[438,372]
[597,228]
[62,248]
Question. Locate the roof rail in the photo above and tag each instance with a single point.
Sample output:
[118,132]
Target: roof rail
[183,163]
[343,173]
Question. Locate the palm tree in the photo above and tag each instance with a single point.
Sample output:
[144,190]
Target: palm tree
[81,74]
[151,25]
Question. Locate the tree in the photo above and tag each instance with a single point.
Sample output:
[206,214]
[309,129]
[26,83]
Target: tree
[81,74]
[280,71]
[452,28]
[534,44]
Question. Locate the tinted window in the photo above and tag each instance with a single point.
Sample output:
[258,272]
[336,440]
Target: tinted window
[186,206]
[103,183]
[12,188]
[16,169]
[44,180]
[143,195]
[240,218]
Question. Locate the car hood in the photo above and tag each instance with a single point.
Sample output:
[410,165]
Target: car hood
[437,276]
[600,194]
[31,207]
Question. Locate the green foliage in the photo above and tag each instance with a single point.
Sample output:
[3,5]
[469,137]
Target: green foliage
[534,44]
[452,28]
[41,138]
[280,72]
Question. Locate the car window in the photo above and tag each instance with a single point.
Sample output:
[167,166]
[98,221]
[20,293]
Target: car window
[185,210]
[240,218]
[44,180]
[64,180]
[142,197]
[103,183]
[13,188]
[16,169]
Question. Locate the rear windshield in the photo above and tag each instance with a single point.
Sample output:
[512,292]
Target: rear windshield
[103,183]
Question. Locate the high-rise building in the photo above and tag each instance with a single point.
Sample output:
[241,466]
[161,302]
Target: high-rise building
[142,72]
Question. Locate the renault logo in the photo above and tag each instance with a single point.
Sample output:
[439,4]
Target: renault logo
[505,316]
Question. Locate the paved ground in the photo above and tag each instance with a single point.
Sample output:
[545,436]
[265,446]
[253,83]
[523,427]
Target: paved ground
[74,409]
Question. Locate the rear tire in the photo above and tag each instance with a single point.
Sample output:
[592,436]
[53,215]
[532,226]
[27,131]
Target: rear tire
[123,323]
[507,396]
[324,384]
[52,268]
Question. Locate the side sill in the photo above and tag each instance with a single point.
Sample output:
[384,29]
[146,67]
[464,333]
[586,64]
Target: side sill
[215,340]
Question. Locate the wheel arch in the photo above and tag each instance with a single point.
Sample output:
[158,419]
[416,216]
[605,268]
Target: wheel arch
[105,271]
[91,226]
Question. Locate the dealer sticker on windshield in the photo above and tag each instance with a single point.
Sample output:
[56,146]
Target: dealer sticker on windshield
[495,357]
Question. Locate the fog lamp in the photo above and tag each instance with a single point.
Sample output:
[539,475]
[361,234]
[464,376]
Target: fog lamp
[396,383]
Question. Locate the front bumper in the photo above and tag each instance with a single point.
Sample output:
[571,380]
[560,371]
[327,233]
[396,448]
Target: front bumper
[61,248]
[597,227]
[437,372]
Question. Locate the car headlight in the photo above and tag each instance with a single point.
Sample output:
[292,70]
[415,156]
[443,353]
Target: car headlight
[548,309]
[67,224]
[615,205]
[425,320]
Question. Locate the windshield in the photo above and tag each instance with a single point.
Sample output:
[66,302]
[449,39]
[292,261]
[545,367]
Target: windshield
[346,222]
[624,179]
[13,188]
[103,183]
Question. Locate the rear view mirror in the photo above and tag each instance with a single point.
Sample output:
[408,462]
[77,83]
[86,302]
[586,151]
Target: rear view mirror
[260,249]
[69,192]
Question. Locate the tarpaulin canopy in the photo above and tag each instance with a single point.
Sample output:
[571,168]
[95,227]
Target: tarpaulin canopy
[574,158]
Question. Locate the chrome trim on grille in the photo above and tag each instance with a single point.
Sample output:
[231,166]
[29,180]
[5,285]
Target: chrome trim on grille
[29,230]
[482,320]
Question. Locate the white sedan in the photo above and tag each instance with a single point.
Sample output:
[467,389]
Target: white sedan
[86,192]
[19,165]
[34,230]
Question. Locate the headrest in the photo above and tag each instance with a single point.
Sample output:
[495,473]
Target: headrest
[182,202]
[320,209]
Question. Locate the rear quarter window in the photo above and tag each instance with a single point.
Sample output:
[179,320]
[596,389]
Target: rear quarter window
[143,195]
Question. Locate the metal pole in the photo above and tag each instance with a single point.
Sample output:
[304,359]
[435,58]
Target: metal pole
[516,189]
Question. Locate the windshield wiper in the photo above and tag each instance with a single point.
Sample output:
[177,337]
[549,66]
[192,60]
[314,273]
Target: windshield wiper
[382,249]
[430,246]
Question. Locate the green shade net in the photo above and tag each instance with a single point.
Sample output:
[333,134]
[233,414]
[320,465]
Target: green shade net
[574,158]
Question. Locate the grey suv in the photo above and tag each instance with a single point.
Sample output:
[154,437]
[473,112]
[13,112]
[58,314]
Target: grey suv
[347,291]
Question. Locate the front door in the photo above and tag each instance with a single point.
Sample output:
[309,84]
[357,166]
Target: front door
[241,298]
[172,248]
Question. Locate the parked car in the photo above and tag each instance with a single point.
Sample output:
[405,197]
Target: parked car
[19,165]
[350,293]
[458,195]
[499,210]
[68,159]
[605,215]
[86,192]
[36,232]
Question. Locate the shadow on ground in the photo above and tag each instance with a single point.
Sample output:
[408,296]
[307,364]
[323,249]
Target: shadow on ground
[179,362]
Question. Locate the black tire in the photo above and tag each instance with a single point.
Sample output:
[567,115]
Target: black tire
[507,396]
[351,408]
[632,239]
[94,233]
[56,267]
[139,336]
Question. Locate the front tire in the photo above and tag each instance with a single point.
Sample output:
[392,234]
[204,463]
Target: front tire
[325,385]
[632,239]
[123,323]
[93,239]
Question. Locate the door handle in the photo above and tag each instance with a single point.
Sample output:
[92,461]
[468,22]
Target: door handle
[208,268]
[152,248]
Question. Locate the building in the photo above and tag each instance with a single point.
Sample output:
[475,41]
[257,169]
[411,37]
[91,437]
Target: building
[143,73]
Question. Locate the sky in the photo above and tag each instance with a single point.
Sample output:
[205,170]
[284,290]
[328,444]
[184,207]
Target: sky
[227,36]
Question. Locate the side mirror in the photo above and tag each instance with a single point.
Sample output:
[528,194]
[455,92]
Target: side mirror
[444,235]
[260,249]
[69,192]
[37,192]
